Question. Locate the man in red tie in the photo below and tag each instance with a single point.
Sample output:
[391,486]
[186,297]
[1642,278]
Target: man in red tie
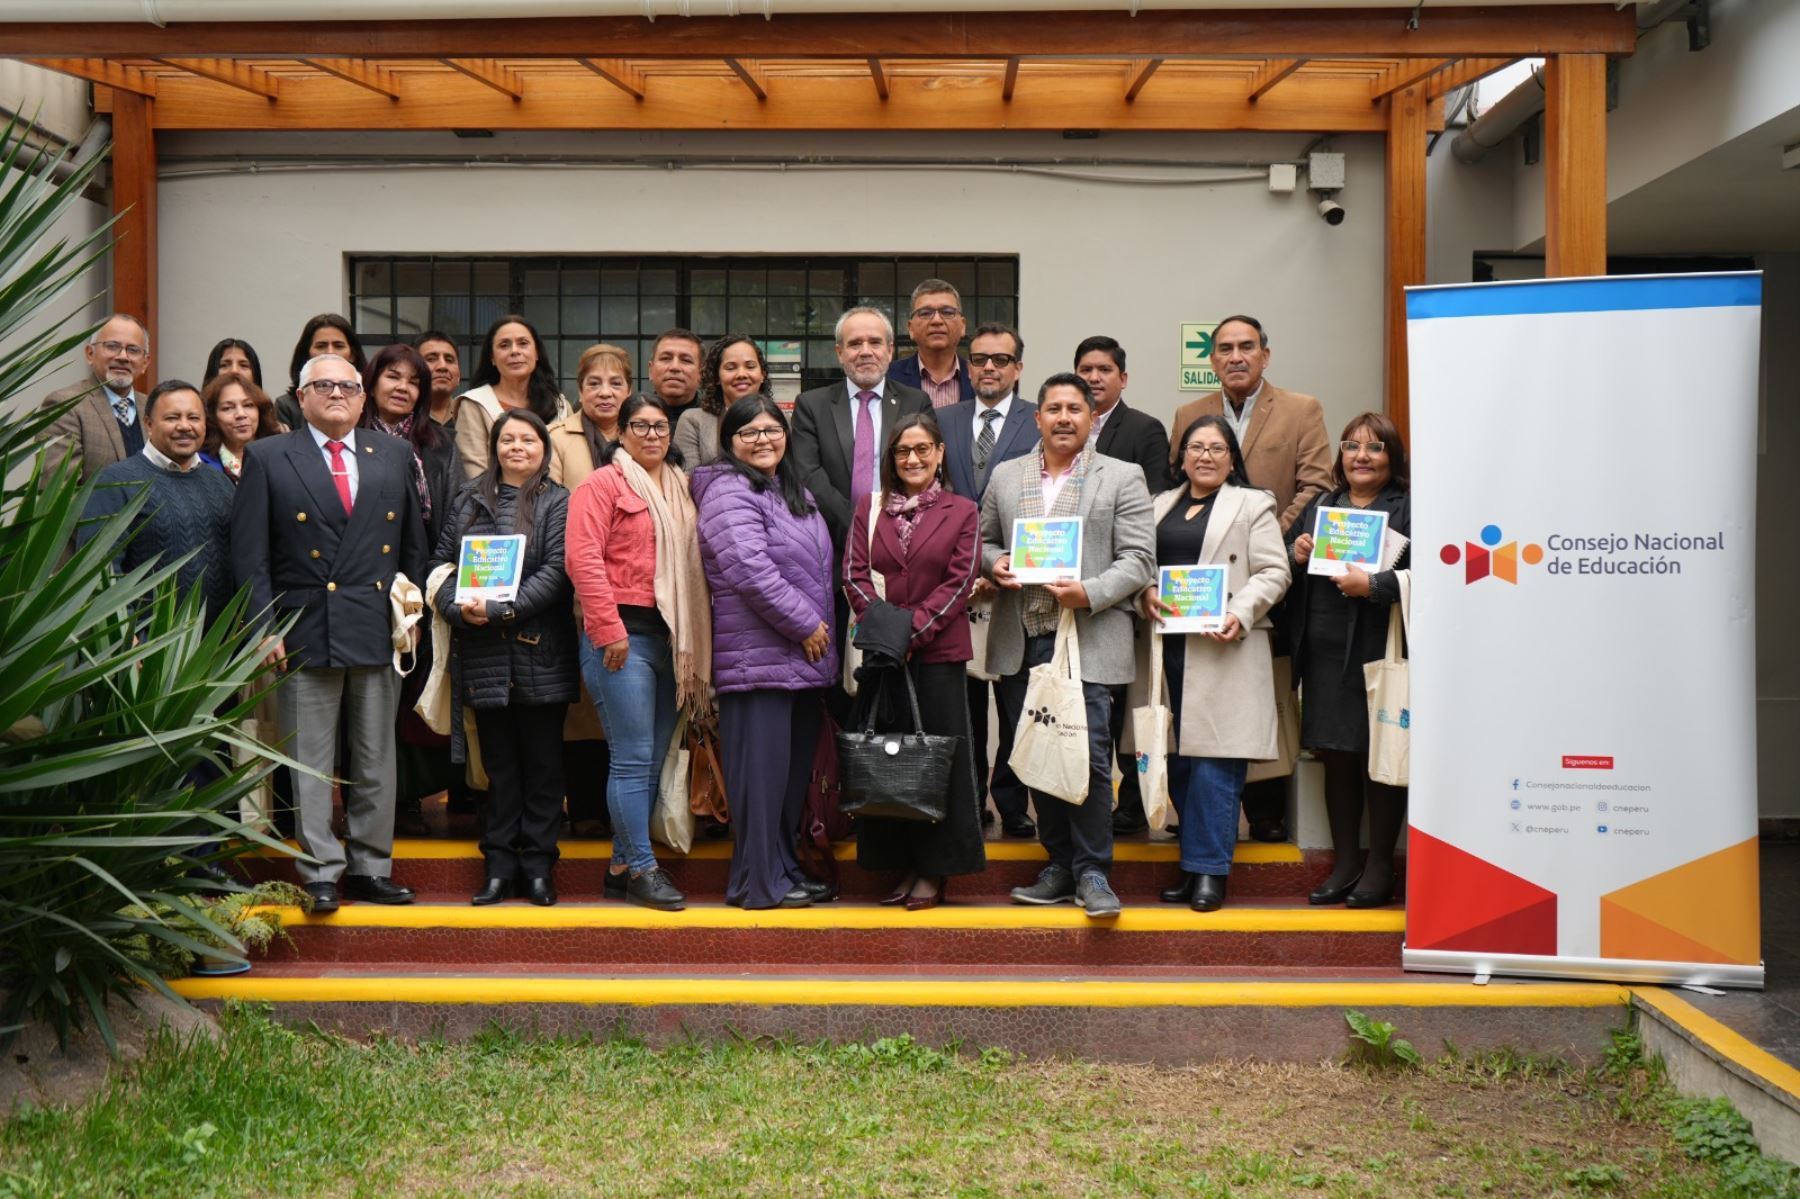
[323,519]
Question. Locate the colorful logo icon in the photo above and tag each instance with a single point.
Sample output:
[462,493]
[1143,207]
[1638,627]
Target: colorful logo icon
[1490,557]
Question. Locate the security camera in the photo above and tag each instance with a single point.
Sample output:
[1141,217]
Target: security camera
[1330,211]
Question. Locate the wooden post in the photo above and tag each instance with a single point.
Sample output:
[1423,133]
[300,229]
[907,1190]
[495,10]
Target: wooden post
[1575,164]
[134,202]
[1405,232]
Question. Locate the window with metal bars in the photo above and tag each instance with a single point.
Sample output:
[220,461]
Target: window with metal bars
[790,304]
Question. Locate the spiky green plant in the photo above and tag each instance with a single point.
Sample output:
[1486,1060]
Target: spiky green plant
[115,696]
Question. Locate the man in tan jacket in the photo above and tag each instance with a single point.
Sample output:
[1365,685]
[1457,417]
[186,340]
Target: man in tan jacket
[1286,452]
[104,427]
[1282,433]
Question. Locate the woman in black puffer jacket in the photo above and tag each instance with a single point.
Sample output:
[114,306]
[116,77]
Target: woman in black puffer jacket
[513,662]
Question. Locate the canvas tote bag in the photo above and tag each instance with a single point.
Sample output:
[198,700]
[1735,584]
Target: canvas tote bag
[1150,726]
[1390,699]
[1050,748]
[672,819]
[1287,728]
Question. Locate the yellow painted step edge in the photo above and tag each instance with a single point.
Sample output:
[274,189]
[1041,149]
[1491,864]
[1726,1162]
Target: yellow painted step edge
[1722,1039]
[1148,919]
[897,993]
[1247,853]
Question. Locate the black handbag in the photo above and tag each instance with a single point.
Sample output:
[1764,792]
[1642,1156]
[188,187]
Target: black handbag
[895,776]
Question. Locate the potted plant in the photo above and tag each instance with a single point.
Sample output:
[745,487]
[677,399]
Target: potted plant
[253,919]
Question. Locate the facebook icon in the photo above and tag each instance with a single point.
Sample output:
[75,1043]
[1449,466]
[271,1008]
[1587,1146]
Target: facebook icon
[1515,784]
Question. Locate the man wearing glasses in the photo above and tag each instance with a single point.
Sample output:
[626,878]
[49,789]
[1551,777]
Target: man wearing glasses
[996,426]
[1286,452]
[323,519]
[936,324]
[105,427]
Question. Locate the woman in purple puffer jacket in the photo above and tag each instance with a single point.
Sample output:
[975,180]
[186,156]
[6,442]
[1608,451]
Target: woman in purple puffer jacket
[767,555]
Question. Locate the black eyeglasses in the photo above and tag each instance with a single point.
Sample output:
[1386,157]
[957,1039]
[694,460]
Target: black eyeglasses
[1000,360]
[946,311]
[1356,447]
[325,387]
[905,453]
[751,436]
[644,428]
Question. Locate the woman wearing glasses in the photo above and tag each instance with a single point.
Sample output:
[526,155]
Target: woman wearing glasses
[513,661]
[734,368]
[646,649]
[1221,684]
[1338,623]
[767,555]
[926,545]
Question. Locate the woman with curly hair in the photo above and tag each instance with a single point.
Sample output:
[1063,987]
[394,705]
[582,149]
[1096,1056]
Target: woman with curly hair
[735,367]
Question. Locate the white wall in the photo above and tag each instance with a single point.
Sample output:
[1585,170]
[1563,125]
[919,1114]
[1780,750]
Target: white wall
[1777,576]
[59,105]
[252,255]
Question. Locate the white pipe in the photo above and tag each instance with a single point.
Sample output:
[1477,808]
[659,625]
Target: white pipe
[172,12]
[1502,120]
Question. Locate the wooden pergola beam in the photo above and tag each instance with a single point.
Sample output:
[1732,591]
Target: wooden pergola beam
[877,74]
[488,72]
[1489,32]
[134,204]
[231,73]
[1395,79]
[619,73]
[1140,75]
[751,76]
[1463,73]
[1011,82]
[99,70]
[1575,164]
[377,79]
[441,100]
[1271,73]
[1405,226]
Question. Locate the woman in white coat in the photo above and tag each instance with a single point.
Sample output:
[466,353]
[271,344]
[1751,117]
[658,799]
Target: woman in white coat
[1221,686]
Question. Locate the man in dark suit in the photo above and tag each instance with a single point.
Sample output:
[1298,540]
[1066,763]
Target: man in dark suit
[936,324]
[1121,431]
[324,518]
[998,425]
[839,430]
[106,426]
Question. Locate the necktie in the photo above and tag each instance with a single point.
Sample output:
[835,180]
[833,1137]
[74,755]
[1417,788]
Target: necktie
[984,443]
[124,408]
[339,474]
[862,453]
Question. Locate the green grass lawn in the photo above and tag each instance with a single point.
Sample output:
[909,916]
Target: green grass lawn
[269,1111]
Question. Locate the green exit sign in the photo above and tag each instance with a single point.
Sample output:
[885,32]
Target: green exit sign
[1196,357]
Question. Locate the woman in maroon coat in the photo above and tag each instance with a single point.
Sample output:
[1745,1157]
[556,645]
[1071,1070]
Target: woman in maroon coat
[927,548]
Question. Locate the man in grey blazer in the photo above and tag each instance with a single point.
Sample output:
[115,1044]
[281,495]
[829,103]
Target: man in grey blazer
[997,426]
[1064,476]
[107,425]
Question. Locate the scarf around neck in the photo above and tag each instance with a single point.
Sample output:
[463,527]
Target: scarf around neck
[906,510]
[403,430]
[680,584]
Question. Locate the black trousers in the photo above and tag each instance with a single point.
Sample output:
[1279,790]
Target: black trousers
[1010,799]
[521,749]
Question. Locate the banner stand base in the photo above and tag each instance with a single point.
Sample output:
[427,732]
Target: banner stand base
[1623,970]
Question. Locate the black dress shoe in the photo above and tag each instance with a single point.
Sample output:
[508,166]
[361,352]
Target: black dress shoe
[540,891]
[1329,892]
[1182,892]
[613,887]
[1018,826]
[373,888]
[1273,831]
[654,889]
[797,898]
[1371,899]
[324,898]
[1125,823]
[987,817]
[1209,892]
[493,891]
[820,891]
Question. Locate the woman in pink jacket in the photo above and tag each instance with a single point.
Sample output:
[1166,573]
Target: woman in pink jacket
[646,646]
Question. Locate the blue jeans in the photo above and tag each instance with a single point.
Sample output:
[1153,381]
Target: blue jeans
[637,704]
[1205,790]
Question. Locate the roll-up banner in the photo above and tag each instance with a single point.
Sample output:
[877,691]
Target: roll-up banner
[1583,760]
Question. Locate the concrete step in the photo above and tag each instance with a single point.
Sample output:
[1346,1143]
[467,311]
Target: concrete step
[1141,868]
[1122,1016]
[846,935]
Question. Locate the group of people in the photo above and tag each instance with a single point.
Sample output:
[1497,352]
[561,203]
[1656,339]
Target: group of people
[693,550]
